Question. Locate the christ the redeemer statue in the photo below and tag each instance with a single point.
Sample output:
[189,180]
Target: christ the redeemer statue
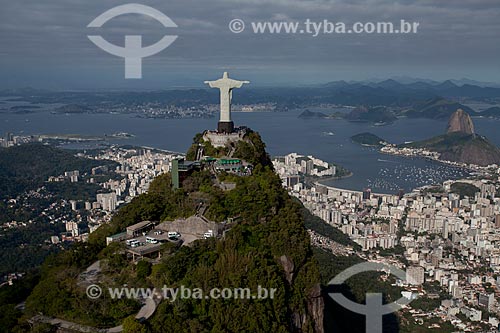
[226,86]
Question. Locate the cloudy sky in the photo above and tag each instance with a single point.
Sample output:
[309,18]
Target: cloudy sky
[44,44]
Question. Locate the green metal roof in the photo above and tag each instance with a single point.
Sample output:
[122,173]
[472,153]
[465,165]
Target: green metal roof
[229,161]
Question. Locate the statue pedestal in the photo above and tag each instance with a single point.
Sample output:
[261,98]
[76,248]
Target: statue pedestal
[222,139]
[225,127]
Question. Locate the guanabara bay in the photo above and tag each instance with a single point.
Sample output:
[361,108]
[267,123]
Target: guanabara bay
[250,166]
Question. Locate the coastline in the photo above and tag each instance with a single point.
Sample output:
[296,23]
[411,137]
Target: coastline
[351,191]
[328,178]
[321,180]
[348,175]
[471,168]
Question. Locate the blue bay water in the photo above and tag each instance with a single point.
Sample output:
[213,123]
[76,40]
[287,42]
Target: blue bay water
[328,139]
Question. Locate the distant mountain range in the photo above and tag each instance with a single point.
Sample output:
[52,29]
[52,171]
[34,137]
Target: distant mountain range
[444,89]
[436,108]
[384,101]
[378,114]
[458,82]
[308,114]
[447,88]
[493,112]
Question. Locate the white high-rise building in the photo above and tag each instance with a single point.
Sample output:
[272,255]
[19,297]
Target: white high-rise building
[107,201]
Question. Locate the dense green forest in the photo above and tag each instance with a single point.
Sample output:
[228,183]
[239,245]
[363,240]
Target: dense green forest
[464,189]
[27,166]
[268,247]
[368,139]
[10,297]
[25,248]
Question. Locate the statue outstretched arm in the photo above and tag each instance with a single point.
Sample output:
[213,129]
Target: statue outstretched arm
[212,84]
[238,84]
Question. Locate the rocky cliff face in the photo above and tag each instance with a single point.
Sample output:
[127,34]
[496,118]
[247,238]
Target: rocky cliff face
[313,318]
[461,144]
[471,148]
[460,121]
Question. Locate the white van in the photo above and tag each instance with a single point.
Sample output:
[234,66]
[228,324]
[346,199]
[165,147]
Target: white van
[151,240]
[130,241]
[208,234]
[173,234]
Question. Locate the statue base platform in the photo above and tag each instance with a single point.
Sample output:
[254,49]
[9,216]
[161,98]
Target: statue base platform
[225,127]
[221,139]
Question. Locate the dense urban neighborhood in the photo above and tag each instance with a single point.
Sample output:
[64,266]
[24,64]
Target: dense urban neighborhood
[445,236]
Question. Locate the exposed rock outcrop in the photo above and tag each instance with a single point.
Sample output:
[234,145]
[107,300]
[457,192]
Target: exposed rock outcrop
[314,317]
[460,121]
[288,267]
[316,308]
[461,144]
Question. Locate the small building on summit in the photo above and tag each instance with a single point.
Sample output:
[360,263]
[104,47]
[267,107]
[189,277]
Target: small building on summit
[232,165]
[181,169]
[139,228]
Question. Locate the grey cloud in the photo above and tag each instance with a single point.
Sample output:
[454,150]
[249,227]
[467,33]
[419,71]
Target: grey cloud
[455,37]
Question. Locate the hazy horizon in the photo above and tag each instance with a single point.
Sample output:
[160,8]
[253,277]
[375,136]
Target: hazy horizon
[262,85]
